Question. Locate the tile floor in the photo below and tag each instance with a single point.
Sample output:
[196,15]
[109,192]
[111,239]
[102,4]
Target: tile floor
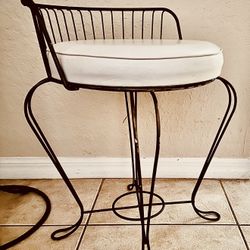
[177,227]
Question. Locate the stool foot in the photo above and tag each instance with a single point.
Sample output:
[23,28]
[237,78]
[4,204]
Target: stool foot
[207,215]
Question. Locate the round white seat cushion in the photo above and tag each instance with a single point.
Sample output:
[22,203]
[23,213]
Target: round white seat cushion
[138,63]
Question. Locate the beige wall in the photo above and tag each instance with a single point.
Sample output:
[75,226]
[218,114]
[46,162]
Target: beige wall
[90,123]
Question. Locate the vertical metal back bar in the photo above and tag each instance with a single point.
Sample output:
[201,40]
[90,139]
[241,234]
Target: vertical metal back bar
[161,27]
[133,20]
[51,27]
[179,31]
[74,25]
[58,25]
[92,23]
[112,24]
[42,43]
[152,24]
[83,26]
[142,24]
[103,29]
[123,26]
[66,25]
[178,26]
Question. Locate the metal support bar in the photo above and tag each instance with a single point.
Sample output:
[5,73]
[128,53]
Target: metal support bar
[138,186]
[156,158]
[232,103]
[64,232]
[132,185]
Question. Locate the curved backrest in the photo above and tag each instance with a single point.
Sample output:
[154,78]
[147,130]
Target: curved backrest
[55,24]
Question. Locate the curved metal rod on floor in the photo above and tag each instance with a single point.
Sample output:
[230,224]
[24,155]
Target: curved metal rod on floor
[156,158]
[64,232]
[232,103]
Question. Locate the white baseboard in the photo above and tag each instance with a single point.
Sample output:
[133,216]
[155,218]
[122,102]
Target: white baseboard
[41,167]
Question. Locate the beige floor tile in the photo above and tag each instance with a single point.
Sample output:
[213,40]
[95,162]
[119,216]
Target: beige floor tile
[27,209]
[210,197]
[40,240]
[246,232]
[238,192]
[186,237]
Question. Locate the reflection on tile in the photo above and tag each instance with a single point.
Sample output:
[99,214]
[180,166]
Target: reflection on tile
[238,192]
[209,197]
[246,232]
[40,240]
[27,209]
[163,237]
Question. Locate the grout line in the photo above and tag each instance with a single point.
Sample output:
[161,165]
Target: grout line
[87,222]
[159,224]
[129,224]
[30,225]
[234,215]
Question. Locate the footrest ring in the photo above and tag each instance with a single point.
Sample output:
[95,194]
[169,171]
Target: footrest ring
[116,209]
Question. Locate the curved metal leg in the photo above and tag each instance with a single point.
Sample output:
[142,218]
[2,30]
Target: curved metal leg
[156,158]
[132,150]
[212,215]
[64,232]
[137,166]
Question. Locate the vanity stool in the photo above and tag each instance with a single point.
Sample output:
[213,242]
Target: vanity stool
[124,50]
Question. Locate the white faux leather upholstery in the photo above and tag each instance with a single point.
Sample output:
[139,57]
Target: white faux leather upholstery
[138,63]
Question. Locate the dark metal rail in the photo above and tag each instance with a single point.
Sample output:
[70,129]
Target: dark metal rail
[55,24]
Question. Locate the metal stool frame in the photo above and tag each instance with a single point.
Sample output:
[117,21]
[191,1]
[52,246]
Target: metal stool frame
[46,31]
